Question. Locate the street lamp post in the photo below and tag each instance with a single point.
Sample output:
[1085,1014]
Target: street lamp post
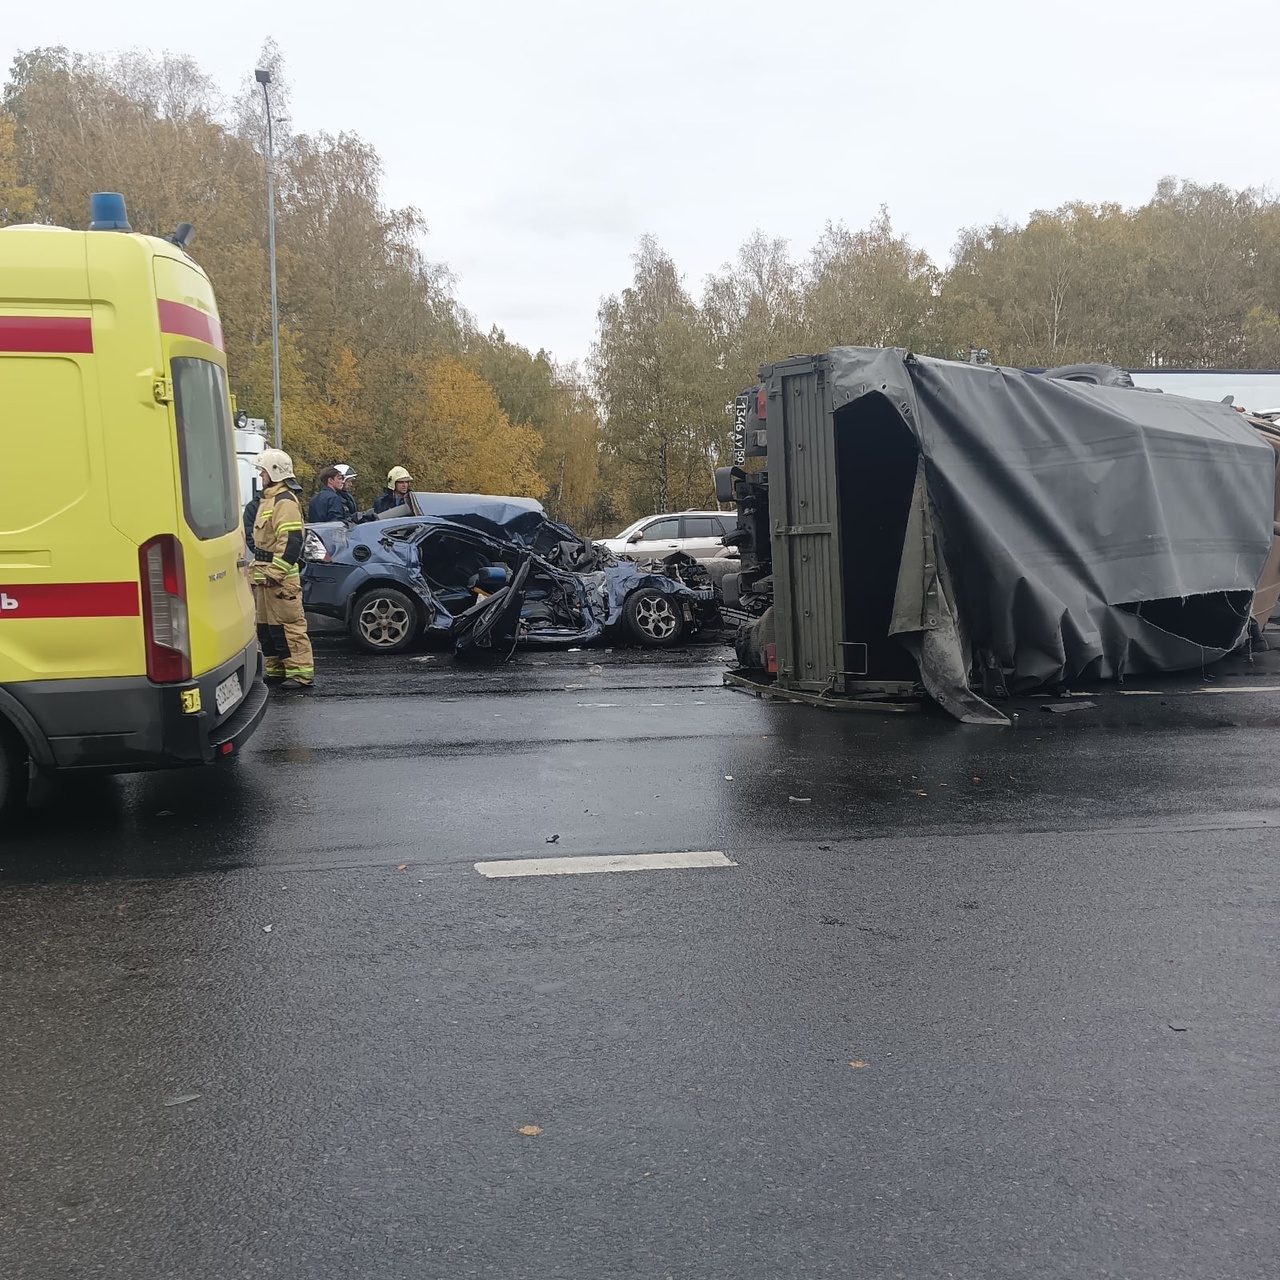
[264,79]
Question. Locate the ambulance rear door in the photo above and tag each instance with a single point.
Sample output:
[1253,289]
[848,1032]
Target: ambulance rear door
[219,603]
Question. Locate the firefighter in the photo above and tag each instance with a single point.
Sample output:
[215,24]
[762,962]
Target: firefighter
[277,586]
[396,494]
[348,474]
[332,502]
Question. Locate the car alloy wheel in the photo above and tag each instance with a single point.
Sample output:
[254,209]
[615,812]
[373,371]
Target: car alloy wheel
[655,618]
[384,621]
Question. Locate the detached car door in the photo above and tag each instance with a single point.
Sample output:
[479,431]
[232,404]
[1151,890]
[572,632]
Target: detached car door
[495,618]
[657,539]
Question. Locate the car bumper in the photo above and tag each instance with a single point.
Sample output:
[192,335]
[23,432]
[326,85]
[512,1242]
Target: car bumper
[127,724]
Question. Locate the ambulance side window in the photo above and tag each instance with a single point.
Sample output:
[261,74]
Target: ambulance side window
[209,482]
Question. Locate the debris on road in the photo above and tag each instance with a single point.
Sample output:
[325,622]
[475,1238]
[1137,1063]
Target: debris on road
[553,839]
[1073,705]
[529,1130]
[181,1099]
[800,799]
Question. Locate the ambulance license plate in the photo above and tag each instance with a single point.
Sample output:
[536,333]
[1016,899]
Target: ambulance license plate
[227,694]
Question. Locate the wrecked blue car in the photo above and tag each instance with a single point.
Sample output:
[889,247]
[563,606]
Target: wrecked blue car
[494,572]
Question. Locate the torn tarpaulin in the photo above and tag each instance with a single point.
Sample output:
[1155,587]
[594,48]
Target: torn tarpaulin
[1057,530]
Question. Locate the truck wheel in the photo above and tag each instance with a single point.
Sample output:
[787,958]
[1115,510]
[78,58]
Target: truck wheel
[384,620]
[13,773]
[654,620]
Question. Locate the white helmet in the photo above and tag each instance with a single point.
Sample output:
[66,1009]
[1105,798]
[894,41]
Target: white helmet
[276,463]
[397,474]
[346,472]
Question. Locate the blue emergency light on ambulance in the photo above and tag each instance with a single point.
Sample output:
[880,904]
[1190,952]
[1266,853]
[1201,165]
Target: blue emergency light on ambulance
[107,212]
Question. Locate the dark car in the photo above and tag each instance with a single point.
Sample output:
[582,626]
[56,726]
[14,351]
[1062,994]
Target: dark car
[491,571]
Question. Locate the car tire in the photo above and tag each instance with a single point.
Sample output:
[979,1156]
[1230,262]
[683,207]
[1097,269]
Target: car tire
[13,773]
[653,618]
[1098,375]
[384,620]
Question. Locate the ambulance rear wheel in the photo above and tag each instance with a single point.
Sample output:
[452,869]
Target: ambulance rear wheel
[384,620]
[13,773]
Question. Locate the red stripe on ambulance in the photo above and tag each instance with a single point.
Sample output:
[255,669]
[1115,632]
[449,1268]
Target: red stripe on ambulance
[70,600]
[64,335]
[190,322]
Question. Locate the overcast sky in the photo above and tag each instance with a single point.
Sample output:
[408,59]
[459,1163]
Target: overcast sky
[542,138]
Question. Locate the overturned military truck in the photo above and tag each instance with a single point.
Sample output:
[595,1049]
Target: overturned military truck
[972,530]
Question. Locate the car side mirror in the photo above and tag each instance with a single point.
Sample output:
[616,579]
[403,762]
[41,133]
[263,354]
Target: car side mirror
[636,537]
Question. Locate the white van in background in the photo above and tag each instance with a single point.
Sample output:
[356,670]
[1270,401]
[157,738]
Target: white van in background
[251,439]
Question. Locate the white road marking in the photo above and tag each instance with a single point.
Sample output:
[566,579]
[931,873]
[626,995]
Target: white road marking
[1177,693]
[602,862]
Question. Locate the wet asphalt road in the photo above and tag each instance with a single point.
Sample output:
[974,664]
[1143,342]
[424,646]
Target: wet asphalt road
[976,1003]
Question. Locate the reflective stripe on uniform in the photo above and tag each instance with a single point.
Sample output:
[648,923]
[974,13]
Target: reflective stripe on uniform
[279,515]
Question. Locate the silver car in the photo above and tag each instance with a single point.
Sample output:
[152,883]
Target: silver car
[699,534]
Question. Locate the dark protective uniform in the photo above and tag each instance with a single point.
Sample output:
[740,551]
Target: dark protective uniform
[250,515]
[330,505]
[387,499]
[277,586]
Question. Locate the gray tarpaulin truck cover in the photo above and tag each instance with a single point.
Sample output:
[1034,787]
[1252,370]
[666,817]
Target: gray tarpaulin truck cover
[1061,530]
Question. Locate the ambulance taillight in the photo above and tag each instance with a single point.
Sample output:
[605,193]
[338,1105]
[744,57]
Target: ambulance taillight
[164,610]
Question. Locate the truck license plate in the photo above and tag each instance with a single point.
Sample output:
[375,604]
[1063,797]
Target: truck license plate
[227,694]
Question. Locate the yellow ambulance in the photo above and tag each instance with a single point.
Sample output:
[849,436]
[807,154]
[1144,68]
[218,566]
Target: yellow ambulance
[127,638]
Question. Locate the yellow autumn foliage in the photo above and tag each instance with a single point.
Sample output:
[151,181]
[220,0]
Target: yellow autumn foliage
[304,414]
[457,438]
